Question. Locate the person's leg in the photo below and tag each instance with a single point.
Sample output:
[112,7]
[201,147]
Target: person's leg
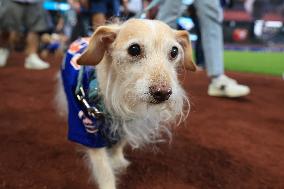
[98,11]
[79,30]
[32,59]
[12,39]
[4,52]
[32,43]
[169,11]
[71,19]
[199,54]
[98,19]
[210,18]
[4,36]
[35,21]
[10,25]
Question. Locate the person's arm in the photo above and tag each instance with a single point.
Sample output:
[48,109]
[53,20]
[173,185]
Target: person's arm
[125,7]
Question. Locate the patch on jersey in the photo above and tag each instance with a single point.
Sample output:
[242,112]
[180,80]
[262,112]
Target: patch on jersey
[74,62]
[75,50]
[77,45]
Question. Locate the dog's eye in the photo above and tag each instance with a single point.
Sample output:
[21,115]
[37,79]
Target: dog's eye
[174,52]
[134,50]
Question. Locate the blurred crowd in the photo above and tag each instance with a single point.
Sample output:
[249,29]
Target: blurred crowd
[44,27]
[48,26]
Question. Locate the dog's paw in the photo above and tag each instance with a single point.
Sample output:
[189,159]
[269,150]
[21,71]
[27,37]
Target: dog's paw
[124,163]
[119,164]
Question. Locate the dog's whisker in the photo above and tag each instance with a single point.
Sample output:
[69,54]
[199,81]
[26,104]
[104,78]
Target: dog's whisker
[137,91]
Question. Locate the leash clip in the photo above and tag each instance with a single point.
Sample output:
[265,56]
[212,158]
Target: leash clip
[92,110]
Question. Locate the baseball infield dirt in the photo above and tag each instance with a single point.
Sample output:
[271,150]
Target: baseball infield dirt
[224,144]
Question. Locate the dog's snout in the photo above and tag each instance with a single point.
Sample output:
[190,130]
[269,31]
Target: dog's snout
[160,93]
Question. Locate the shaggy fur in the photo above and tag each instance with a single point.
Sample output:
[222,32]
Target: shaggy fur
[125,82]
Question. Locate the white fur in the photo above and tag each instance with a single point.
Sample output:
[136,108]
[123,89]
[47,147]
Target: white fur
[60,100]
[124,83]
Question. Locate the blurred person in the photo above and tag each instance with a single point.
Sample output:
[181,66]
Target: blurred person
[55,40]
[93,13]
[132,7]
[281,9]
[52,44]
[82,20]
[199,54]
[210,17]
[19,16]
[102,9]
[256,8]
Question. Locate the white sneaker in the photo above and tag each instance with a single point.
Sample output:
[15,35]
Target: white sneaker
[4,54]
[224,86]
[34,62]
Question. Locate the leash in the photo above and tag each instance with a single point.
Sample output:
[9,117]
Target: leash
[81,96]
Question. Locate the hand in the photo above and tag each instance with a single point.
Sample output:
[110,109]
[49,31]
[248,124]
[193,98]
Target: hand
[125,7]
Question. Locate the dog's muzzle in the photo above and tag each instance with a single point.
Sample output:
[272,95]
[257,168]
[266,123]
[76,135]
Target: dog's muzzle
[160,93]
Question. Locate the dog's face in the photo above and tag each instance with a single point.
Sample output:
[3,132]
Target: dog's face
[140,60]
[137,66]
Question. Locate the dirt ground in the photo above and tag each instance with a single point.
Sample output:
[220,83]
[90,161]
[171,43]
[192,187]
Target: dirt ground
[225,144]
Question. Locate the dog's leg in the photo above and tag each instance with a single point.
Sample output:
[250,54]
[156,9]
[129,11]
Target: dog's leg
[101,168]
[118,162]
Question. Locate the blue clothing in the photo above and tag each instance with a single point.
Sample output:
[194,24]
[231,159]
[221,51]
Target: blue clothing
[107,7]
[77,131]
[52,47]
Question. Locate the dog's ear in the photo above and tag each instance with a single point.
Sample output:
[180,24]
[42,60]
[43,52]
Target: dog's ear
[98,45]
[183,39]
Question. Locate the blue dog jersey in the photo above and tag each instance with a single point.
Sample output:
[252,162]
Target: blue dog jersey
[77,129]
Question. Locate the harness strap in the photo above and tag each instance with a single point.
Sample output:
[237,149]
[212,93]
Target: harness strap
[92,111]
[97,111]
[79,80]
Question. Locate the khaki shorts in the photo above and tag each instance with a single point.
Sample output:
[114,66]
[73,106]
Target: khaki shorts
[23,16]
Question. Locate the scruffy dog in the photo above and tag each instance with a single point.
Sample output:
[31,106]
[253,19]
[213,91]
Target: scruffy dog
[137,92]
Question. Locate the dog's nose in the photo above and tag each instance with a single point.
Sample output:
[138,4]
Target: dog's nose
[160,93]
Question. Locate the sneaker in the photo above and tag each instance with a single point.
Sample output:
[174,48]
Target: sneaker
[224,86]
[4,54]
[34,62]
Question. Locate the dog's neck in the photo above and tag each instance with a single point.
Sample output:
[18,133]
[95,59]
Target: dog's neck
[147,122]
